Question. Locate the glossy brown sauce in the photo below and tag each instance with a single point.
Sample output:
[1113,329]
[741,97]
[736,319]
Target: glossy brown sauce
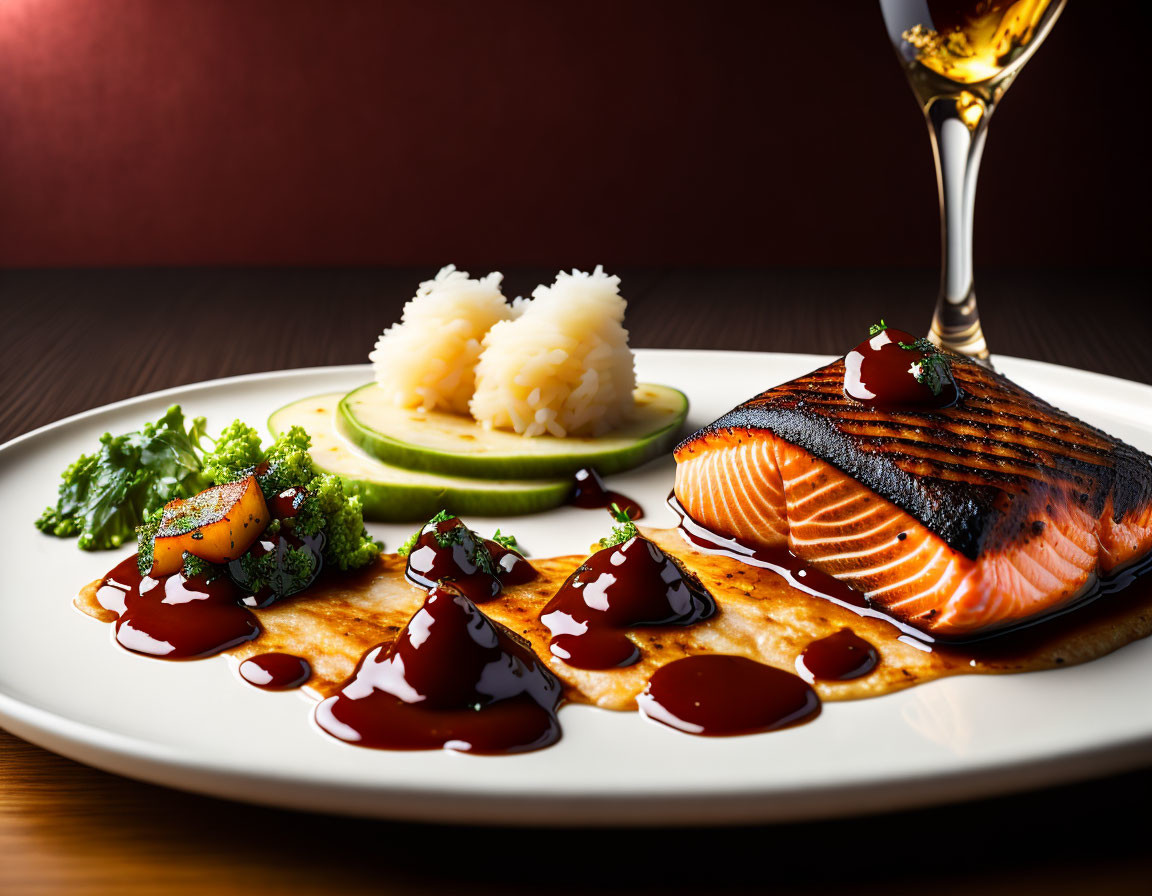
[715,694]
[452,679]
[344,627]
[174,617]
[286,505]
[878,373]
[589,492]
[275,671]
[618,588]
[841,656]
[448,551]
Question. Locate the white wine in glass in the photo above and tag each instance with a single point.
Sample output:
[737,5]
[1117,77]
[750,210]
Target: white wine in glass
[960,57]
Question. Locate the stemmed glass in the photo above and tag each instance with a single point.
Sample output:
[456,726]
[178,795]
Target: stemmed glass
[960,57]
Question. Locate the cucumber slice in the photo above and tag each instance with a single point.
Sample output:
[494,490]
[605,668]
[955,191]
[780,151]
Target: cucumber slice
[394,494]
[457,445]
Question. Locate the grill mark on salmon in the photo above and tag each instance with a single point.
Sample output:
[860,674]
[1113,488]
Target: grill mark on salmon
[960,520]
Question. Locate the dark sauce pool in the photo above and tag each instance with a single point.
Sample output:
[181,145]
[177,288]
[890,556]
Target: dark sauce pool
[275,671]
[173,617]
[590,493]
[715,694]
[457,679]
[842,656]
[452,679]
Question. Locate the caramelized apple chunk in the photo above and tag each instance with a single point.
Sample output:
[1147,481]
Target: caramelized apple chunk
[217,525]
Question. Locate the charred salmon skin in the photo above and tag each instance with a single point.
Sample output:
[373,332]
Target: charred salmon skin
[960,521]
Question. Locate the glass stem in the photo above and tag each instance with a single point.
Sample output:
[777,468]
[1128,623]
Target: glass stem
[958,127]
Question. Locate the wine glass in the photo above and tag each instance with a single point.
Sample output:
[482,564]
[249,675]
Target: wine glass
[960,57]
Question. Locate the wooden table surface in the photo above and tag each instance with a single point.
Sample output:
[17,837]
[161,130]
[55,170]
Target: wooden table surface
[72,340]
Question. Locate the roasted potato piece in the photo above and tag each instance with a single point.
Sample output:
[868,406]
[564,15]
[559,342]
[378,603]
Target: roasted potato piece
[217,525]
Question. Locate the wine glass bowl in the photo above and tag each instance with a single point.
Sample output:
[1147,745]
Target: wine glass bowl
[960,56]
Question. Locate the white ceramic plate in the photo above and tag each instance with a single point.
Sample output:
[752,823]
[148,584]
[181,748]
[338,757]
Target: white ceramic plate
[65,685]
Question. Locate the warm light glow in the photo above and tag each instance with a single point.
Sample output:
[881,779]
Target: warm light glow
[970,108]
[980,48]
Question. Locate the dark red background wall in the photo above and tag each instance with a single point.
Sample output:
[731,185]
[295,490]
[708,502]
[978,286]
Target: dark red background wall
[504,133]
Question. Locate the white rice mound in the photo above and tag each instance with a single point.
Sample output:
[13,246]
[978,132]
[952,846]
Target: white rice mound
[427,360]
[562,367]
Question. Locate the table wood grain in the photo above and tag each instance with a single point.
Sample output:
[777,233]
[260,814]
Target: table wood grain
[72,340]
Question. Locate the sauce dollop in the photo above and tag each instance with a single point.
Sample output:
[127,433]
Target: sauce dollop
[452,679]
[174,617]
[717,694]
[617,588]
[590,492]
[841,656]
[448,551]
[275,671]
[879,373]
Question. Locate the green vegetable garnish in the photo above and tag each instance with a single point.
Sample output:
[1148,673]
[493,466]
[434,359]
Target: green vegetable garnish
[624,531]
[474,546]
[104,496]
[507,541]
[877,328]
[933,370]
[283,571]
[405,549]
[287,464]
[237,449]
[122,489]
[194,566]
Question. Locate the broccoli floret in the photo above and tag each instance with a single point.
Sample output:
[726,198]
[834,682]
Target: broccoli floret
[286,570]
[145,540]
[289,463]
[348,544]
[195,566]
[236,450]
[285,464]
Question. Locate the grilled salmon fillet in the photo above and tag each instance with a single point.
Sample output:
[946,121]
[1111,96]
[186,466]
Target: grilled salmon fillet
[961,520]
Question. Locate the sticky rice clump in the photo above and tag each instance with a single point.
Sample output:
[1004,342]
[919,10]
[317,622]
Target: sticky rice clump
[427,360]
[563,366]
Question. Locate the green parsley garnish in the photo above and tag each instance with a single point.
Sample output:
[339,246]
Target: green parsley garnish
[474,546]
[933,370]
[507,541]
[622,532]
[405,549]
[877,328]
[455,535]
